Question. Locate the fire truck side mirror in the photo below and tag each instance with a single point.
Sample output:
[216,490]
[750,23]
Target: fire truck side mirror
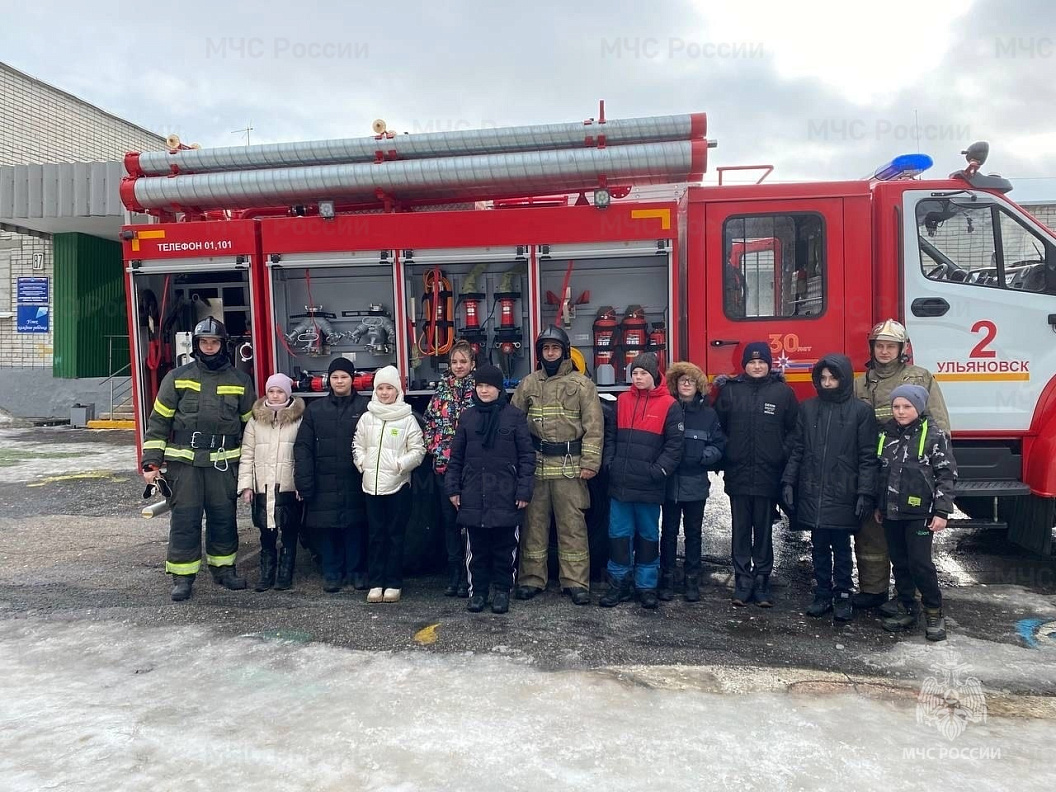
[977,152]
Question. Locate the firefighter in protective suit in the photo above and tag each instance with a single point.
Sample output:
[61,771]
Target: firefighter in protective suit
[195,430]
[567,427]
[888,367]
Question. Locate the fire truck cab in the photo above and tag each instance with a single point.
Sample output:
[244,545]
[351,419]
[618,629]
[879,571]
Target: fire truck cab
[315,272]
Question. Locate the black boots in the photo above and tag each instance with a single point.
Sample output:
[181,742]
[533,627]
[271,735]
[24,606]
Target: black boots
[287,559]
[526,592]
[934,624]
[181,587]
[579,595]
[763,597]
[649,599]
[842,608]
[821,605]
[227,577]
[905,619]
[619,591]
[742,591]
[692,590]
[666,591]
[476,603]
[267,569]
[500,602]
[452,583]
[864,601]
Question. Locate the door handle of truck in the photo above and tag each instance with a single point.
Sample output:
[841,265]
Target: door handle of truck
[718,342]
[929,306]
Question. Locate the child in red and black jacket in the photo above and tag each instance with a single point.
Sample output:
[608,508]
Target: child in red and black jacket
[642,453]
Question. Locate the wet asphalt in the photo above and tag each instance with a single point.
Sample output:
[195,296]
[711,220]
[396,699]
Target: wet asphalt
[77,549]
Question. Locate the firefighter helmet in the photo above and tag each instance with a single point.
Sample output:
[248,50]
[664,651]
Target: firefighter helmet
[553,333]
[889,330]
[209,328]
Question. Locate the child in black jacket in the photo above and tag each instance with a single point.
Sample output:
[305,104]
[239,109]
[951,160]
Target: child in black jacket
[688,487]
[489,480]
[758,414]
[914,500]
[830,480]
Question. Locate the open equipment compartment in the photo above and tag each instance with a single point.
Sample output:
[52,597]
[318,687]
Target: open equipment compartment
[477,294]
[612,298]
[327,305]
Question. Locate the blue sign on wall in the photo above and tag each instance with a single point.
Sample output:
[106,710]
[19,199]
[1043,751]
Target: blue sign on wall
[32,291]
[33,318]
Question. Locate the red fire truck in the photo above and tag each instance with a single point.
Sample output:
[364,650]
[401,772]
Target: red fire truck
[387,248]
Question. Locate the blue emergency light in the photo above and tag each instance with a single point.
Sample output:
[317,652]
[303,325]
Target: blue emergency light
[905,166]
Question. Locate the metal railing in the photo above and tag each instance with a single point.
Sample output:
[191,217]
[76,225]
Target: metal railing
[119,380]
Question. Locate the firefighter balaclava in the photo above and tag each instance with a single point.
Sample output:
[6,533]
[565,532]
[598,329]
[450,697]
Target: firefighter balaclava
[552,334]
[210,328]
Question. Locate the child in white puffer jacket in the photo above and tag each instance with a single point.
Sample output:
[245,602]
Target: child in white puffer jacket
[387,447]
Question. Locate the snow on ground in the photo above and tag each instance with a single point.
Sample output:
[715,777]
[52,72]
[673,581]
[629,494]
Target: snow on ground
[116,707]
[22,459]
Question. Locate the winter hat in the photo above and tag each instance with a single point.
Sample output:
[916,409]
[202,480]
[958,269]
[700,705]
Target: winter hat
[914,394]
[647,361]
[757,350]
[341,364]
[489,375]
[389,376]
[280,381]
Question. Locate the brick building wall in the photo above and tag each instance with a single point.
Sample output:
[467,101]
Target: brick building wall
[39,123]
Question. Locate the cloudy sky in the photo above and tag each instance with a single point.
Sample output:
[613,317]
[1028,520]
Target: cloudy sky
[821,90]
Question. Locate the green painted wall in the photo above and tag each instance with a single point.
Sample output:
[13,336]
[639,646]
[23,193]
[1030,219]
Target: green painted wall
[89,305]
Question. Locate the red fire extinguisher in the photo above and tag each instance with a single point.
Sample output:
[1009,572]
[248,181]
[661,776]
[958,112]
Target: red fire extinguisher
[658,343]
[471,330]
[634,331]
[605,336]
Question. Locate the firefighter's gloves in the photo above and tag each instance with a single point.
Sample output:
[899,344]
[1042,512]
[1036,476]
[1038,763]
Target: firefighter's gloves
[158,485]
[863,507]
[788,497]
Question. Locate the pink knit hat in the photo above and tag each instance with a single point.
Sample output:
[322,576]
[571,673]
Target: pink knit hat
[280,381]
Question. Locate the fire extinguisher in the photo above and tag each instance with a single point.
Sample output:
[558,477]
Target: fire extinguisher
[470,300]
[508,333]
[438,331]
[634,331]
[605,340]
[658,343]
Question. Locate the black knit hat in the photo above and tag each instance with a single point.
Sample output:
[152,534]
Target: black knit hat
[341,364]
[489,375]
[757,350]
[649,362]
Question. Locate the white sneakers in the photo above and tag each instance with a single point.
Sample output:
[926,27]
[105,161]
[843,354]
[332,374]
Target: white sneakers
[383,595]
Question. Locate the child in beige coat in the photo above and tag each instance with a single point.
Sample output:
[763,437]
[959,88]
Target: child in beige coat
[265,479]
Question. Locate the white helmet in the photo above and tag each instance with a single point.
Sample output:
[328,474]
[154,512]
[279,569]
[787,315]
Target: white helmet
[889,330]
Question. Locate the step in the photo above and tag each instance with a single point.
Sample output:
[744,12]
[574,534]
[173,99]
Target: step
[103,423]
[982,488]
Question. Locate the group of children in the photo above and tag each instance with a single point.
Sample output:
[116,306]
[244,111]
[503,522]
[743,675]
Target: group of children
[826,461]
